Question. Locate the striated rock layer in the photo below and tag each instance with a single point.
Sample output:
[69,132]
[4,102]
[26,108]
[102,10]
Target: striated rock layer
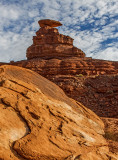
[38,121]
[70,66]
[92,82]
[49,43]
[98,93]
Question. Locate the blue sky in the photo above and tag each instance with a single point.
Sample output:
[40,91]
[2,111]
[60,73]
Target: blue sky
[92,23]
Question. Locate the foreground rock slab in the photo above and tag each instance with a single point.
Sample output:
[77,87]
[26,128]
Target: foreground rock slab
[39,122]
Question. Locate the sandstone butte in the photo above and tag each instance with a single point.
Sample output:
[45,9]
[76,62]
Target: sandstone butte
[39,122]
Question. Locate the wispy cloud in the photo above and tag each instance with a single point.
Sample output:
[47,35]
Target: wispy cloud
[93,24]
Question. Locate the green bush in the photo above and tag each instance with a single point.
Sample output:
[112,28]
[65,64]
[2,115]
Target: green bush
[79,75]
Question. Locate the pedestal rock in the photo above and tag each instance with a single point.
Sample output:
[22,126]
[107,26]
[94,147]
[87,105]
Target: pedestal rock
[49,43]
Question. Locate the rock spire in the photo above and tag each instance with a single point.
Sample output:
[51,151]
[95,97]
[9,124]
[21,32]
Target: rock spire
[49,43]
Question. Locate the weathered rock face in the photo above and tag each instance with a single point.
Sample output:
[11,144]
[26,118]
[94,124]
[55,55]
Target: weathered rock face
[40,122]
[92,82]
[48,43]
[111,133]
[98,93]
[83,81]
[70,66]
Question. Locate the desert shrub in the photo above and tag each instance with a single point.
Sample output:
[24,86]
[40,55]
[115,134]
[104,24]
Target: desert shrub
[79,75]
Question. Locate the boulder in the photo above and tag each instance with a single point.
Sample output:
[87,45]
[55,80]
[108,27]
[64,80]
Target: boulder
[38,121]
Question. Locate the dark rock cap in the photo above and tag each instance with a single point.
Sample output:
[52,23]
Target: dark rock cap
[49,22]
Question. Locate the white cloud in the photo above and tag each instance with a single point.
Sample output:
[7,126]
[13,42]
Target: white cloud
[111,53]
[8,13]
[90,23]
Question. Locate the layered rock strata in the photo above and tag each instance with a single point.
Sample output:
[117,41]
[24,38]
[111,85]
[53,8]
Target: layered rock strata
[48,125]
[98,93]
[92,82]
[49,43]
[70,66]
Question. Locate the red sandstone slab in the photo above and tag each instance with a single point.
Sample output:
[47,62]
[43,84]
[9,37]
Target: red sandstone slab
[48,22]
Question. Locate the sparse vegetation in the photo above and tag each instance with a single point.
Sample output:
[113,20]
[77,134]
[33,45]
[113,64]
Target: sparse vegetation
[79,75]
[110,91]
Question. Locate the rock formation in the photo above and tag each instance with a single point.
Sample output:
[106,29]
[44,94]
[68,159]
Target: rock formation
[98,93]
[48,43]
[72,66]
[90,81]
[39,122]
[48,22]
[53,56]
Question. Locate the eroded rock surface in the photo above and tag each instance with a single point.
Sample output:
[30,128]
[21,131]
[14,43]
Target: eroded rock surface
[52,126]
[49,43]
[53,56]
[98,93]
[69,66]
[92,82]
[12,128]
[49,22]
[111,133]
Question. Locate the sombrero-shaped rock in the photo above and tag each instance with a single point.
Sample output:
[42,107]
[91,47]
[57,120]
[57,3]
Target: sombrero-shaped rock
[49,22]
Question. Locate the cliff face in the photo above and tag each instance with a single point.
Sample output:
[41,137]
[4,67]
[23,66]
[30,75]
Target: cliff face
[70,66]
[48,124]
